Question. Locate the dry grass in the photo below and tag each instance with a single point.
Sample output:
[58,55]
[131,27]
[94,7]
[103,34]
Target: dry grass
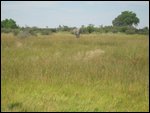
[97,72]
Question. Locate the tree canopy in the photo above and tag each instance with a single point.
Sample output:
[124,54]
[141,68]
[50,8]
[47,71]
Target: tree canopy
[8,23]
[126,18]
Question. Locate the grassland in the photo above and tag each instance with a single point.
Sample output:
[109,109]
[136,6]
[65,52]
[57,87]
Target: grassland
[98,72]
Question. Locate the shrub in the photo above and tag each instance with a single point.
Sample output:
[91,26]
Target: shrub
[16,32]
[45,32]
[4,30]
[24,34]
[130,30]
[33,32]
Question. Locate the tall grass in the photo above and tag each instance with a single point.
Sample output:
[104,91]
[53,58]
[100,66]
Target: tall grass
[97,72]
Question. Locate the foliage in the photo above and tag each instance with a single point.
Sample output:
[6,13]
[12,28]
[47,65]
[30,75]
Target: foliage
[90,28]
[45,32]
[145,30]
[8,23]
[123,23]
[16,31]
[126,18]
[4,30]
[84,29]
[130,30]
[24,34]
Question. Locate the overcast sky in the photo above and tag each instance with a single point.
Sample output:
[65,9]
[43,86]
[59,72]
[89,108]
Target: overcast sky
[71,13]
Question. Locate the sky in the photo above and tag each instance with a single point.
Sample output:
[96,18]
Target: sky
[71,13]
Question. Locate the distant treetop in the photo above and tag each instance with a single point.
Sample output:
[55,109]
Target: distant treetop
[8,23]
[126,18]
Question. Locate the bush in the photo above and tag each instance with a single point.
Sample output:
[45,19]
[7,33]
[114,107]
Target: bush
[114,30]
[130,30]
[16,32]
[144,31]
[33,32]
[123,29]
[90,28]
[45,32]
[53,30]
[24,34]
[5,30]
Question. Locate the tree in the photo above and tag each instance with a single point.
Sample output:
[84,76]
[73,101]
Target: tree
[65,28]
[8,23]
[144,30]
[126,18]
[90,28]
[83,29]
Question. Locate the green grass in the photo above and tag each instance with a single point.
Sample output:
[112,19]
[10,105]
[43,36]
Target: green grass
[98,72]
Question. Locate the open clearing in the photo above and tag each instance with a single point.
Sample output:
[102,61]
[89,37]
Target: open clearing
[97,72]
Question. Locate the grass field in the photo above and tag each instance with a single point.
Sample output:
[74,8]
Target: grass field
[97,72]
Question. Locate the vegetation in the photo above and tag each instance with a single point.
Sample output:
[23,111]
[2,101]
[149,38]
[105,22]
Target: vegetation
[107,69]
[121,24]
[127,18]
[8,23]
[57,72]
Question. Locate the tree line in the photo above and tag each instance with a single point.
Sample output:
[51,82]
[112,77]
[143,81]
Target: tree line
[124,23]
